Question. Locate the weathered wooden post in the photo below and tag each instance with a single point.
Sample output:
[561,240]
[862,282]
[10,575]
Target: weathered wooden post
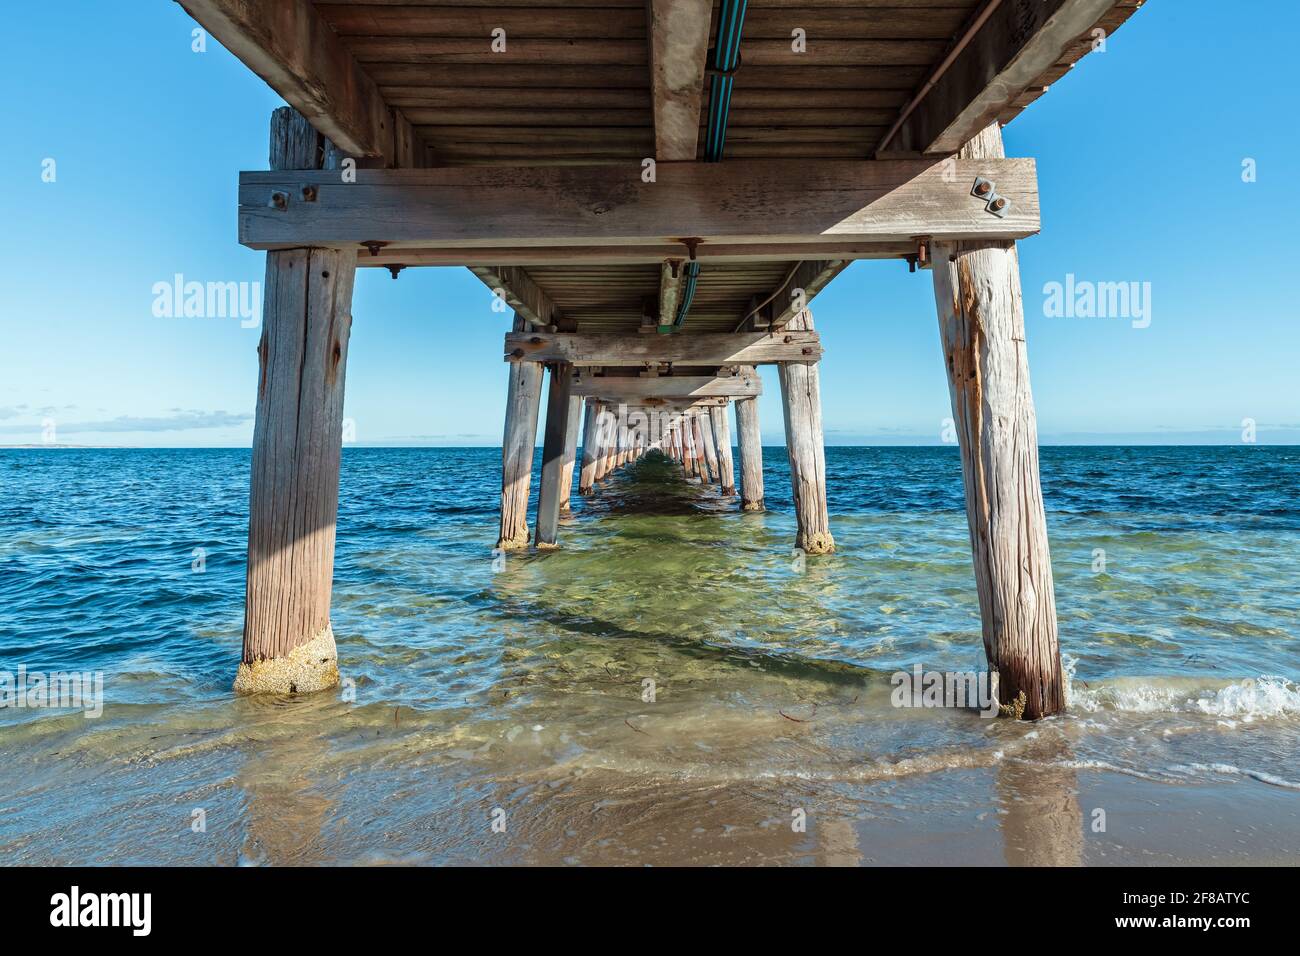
[802,401]
[297,446]
[751,454]
[691,460]
[701,451]
[722,437]
[570,450]
[608,433]
[982,329]
[587,474]
[517,448]
[705,424]
[558,410]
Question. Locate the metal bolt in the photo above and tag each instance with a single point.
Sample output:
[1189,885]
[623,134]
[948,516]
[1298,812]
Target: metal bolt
[309,193]
[280,201]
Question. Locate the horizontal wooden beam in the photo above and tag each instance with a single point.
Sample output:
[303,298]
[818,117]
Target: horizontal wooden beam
[745,201]
[666,404]
[718,253]
[629,388]
[291,47]
[710,348]
[1019,42]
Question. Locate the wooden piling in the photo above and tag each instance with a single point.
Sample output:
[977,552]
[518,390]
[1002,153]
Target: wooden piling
[751,454]
[982,328]
[523,399]
[801,399]
[574,420]
[558,410]
[722,438]
[587,472]
[297,446]
[705,421]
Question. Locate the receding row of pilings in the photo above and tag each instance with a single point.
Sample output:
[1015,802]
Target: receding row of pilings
[293,503]
[694,432]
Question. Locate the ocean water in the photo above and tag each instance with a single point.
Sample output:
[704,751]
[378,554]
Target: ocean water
[514,695]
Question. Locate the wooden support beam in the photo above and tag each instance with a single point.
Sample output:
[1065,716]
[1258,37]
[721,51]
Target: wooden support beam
[587,472]
[722,437]
[789,202]
[1015,46]
[517,288]
[493,257]
[794,293]
[672,275]
[626,389]
[522,400]
[297,443]
[751,455]
[290,46]
[802,402]
[704,422]
[570,450]
[982,327]
[558,409]
[701,457]
[679,43]
[714,348]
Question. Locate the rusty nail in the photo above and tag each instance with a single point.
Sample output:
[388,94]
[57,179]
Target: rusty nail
[309,193]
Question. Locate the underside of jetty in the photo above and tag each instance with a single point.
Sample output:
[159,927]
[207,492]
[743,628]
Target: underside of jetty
[654,191]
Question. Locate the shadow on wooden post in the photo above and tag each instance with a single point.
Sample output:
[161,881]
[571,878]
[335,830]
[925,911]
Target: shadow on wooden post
[297,445]
[982,328]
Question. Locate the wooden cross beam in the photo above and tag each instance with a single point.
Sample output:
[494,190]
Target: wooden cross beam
[496,257]
[521,293]
[1019,42]
[712,348]
[626,388]
[792,295]
[788,202]
[288,44]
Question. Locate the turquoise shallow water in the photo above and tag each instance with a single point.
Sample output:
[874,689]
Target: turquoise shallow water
[520,688]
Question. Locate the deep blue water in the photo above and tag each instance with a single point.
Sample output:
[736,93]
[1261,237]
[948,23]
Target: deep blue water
[97,547]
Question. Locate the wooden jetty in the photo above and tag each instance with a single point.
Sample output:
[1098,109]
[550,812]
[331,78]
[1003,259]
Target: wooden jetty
[658,189]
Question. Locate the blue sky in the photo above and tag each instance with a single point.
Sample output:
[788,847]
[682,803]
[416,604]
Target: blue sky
[1139,150]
